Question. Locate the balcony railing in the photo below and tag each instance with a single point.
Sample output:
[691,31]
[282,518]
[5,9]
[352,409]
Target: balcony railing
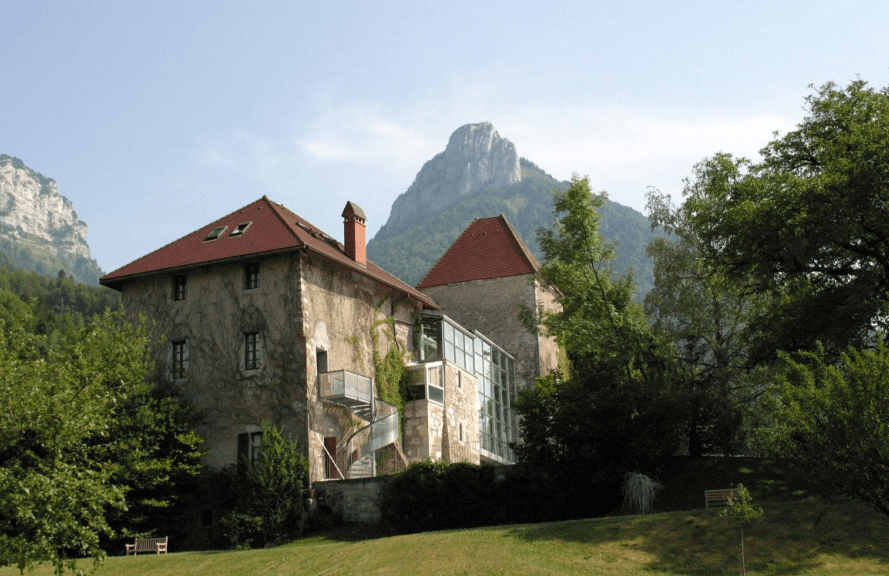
[344,387]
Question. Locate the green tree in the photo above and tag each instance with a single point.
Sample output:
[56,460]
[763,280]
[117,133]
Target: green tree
[829,418]
[269,507]
[53,492]
[156,455]
[741,511]
[615,412]
[706,315]
[64,467]
[808,222]
[599,321]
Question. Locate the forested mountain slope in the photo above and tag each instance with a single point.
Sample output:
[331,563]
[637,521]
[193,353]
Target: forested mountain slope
[412,241]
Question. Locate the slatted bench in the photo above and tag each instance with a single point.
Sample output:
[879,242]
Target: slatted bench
[718,497]
[156,545]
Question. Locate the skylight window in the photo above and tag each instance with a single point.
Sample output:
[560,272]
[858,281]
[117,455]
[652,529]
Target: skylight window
[216,233]
[330,240]
[240,229]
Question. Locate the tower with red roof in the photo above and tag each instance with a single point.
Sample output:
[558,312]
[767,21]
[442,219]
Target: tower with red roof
[483,280]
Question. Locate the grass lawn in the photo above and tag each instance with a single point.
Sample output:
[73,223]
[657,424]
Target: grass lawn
[797,536]
[803,537]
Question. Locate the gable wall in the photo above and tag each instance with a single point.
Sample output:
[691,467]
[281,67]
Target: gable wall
[213,318]
[341,309]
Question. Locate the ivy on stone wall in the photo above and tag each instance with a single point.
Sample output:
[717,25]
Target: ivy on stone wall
[390,367]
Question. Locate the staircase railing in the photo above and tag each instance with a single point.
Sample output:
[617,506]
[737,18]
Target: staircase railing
[358,456]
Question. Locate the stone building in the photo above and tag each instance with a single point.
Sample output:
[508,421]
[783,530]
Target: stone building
[484,280]
[266,317]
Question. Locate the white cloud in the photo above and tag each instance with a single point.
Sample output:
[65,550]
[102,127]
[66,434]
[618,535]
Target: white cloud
[367,135]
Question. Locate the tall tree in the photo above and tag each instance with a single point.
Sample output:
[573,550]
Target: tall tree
[613,413]
[599,321]
[810,222]
[706,315]
[67,450]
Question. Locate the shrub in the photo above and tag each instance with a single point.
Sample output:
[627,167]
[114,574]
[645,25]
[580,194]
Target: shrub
[639,492]
[268,495]
[437,496]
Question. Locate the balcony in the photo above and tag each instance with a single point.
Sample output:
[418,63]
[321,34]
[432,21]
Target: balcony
[427,382]
[346,388]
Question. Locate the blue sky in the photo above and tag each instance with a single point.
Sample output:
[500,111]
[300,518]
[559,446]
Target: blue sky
[158,117]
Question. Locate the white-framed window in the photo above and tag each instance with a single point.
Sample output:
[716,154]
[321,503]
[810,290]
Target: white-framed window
[427,382]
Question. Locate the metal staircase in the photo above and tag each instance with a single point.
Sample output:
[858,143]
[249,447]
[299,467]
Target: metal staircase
[356,453]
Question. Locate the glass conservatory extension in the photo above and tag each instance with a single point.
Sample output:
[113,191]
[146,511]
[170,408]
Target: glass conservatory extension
[440,338]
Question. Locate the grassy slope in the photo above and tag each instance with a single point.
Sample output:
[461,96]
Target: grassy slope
[797,536]
[803,537]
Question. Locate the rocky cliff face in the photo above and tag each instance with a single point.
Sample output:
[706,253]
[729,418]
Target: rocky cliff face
[35,217]
[480,175]
[475,158]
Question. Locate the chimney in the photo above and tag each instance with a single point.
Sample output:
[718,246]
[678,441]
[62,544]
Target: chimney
[355,232]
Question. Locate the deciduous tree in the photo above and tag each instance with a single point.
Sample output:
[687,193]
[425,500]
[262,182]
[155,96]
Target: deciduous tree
[67,448]
[706,315]
[829,420]
[613,413]
[810,222]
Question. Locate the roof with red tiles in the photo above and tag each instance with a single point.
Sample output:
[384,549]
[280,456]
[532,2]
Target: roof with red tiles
[488,248]
[261,228]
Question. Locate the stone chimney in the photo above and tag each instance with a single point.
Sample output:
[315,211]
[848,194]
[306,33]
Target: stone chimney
[355,233]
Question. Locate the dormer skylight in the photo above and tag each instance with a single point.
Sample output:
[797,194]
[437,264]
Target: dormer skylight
[215,233]
[240,229]
[330,240]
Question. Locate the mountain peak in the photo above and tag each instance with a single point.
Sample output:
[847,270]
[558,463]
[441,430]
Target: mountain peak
[476,158]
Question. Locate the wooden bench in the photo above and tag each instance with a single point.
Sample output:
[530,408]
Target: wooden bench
[718,497]
[156,545]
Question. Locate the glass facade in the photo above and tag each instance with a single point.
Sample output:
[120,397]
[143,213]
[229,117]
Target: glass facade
[441,338]
[496,399]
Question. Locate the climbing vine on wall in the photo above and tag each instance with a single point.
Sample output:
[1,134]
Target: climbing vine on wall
[355,342]
[390,367]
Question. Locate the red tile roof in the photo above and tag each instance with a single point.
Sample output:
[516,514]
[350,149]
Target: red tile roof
[488,248]
[273,228]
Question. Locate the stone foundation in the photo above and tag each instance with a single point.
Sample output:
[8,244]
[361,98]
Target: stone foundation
[351,501]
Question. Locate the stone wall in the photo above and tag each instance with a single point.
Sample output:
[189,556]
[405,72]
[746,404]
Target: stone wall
[460,417]
[212,320]
[341,311]
[548,349]
[350,501]
[448,432]
[358,501]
